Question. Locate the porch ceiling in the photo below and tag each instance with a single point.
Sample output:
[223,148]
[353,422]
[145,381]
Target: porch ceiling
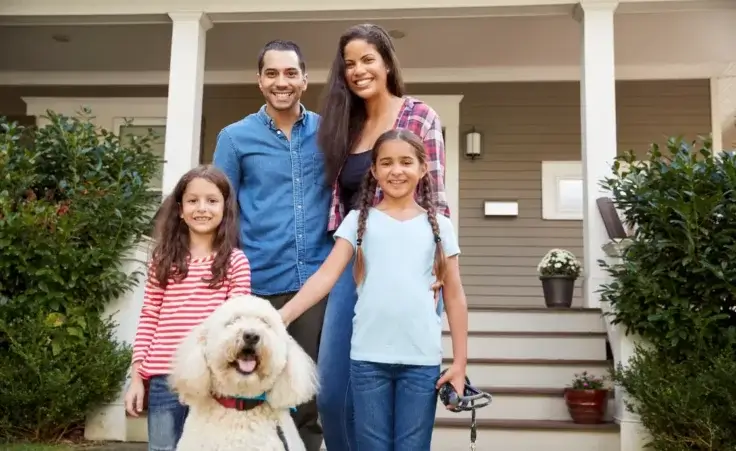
[672,38]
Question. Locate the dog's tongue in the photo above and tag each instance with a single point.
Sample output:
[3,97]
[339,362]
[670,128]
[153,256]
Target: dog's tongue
[247,363]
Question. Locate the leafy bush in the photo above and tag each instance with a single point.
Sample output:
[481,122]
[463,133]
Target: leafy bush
[688,406]
[677,285]
[73,201]
[45,394]
[676,288]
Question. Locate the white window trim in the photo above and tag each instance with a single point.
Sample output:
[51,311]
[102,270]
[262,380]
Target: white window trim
[119,122]
[552,171]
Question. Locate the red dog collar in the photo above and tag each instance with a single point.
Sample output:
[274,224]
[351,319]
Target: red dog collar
[241,404]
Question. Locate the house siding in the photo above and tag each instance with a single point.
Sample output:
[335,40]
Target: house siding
[522,124]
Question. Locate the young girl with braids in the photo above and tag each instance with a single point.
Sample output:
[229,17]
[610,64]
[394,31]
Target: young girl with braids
[402,248]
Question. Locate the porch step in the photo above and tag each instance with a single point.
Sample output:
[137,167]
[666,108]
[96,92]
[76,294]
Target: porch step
[525,357]
[535,373]
[520,403]
[533,319]
[525,435]
[531,345]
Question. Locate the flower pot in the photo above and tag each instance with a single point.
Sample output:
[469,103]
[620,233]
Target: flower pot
[558,290]
[586,406]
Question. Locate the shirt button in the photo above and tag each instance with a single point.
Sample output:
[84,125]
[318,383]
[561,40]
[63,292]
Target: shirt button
[297,179]
[299,206]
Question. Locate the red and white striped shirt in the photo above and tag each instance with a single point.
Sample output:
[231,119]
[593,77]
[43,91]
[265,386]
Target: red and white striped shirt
[170,313]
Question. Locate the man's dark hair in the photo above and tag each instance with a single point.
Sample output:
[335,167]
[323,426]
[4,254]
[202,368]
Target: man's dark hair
[282,46]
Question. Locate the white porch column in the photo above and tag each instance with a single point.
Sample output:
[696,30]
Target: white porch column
[598,128]
[599,149]
[723,111]
[186,83]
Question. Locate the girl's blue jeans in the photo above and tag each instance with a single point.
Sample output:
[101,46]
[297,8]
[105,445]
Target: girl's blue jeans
[335,399]
[395,405]
[166,416]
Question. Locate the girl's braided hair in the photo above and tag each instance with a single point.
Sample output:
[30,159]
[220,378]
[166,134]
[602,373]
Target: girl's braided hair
[424,198]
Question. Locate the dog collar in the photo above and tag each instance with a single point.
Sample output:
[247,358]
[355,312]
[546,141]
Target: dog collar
[241,403]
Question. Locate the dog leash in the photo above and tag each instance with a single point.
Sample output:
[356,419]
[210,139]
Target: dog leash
[465,403]
[282,437]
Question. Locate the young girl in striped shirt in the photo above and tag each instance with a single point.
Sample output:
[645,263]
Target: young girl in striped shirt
[196,266]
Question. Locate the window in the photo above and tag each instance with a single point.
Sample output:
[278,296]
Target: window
[140,127]
[125,133]
[562,190]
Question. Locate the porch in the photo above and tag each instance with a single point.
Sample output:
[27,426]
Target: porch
[524,127]
[513,74]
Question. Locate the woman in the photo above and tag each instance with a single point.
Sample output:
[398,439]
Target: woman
[364,97]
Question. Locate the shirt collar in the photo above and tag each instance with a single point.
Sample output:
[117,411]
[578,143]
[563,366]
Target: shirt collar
[269,121]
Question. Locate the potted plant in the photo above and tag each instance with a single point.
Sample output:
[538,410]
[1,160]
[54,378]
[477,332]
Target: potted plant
[558,271]
[587,399]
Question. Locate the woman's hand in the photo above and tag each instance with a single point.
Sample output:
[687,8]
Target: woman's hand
[437,288]
[134,396]
[455,375]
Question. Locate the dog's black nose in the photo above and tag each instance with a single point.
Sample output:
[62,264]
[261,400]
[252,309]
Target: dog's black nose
[251,338]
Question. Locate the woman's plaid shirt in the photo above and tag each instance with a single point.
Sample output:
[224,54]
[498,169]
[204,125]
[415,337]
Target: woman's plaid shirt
[419,118]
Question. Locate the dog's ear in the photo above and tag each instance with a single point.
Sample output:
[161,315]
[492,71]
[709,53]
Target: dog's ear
[190,377]
[297,383]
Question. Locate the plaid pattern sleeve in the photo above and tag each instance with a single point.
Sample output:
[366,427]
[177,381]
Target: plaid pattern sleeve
[423,121]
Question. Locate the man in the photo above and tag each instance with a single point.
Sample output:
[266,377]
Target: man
[273,162]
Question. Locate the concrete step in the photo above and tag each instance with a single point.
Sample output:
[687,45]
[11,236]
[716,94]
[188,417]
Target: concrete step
[531,345]
[539,373]
[500,319]
[520,403]
[525,435]
[137,428]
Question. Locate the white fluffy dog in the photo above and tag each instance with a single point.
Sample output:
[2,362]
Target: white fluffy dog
[240,373]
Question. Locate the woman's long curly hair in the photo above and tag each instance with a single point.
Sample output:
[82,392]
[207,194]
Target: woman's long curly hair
[368,191]
[170,261]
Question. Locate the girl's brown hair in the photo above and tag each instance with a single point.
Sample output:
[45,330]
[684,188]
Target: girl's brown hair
[170,260]
[368,191]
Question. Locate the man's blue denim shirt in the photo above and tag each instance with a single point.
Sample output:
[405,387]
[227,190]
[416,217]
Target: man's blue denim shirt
[283,198]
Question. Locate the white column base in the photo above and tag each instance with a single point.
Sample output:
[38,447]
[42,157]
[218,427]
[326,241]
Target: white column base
[107,423]
[633,435]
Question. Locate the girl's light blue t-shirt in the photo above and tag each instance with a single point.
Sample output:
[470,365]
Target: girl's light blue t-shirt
[395,317]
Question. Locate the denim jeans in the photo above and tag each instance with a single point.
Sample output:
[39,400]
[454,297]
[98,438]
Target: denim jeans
[395,405]
[166,416]
[335,400]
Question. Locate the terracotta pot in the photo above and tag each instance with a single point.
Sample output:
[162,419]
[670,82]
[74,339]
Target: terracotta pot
[558,290]
[586,406]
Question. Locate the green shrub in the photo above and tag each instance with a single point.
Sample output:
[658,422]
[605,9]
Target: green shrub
[687,406]
[677,285]
[73,202]
[47,393]
[676,289]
